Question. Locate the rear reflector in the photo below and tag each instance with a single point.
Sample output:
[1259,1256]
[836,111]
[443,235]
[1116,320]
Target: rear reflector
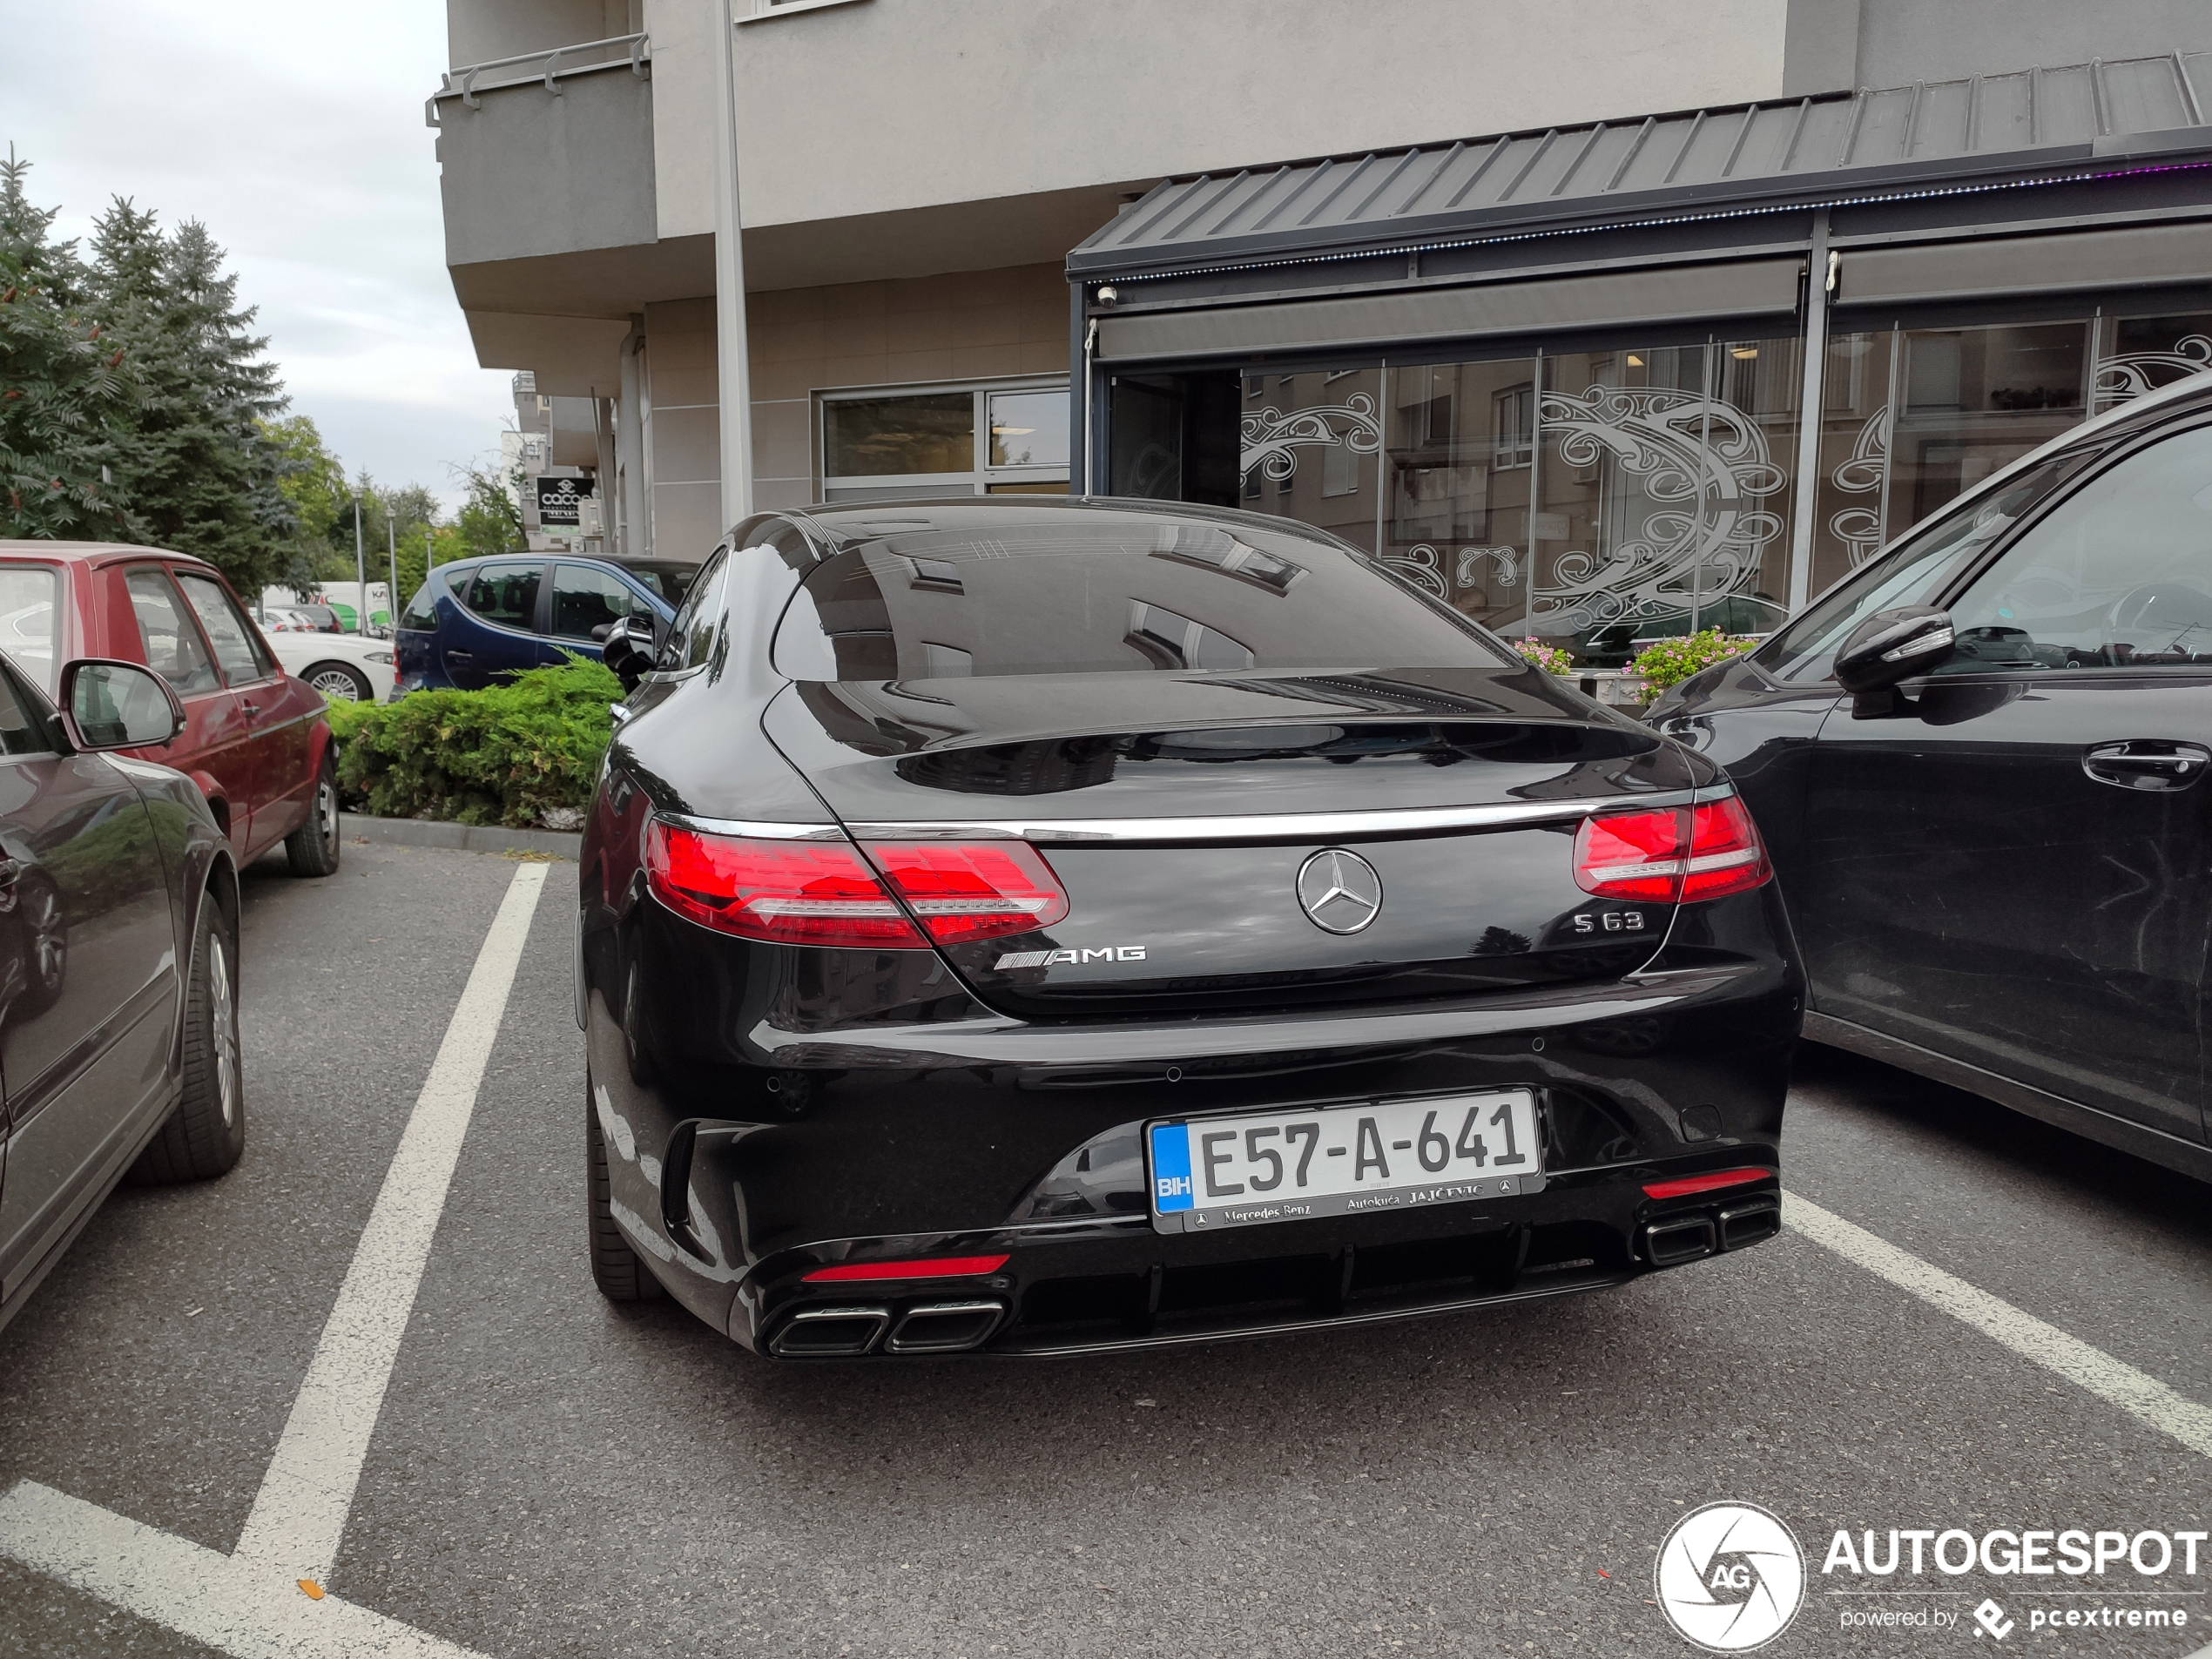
[1690,1184]
[792,892]
[929,1267]
[965,890]
[1672,855]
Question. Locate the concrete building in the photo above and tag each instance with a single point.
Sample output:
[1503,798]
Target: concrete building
[916,174]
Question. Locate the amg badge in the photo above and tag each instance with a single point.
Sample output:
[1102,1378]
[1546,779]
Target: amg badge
[1046,958]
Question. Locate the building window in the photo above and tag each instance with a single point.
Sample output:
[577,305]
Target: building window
[1005,439]
[1515,430]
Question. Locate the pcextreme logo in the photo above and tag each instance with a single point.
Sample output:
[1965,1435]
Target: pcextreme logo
[1731,1577]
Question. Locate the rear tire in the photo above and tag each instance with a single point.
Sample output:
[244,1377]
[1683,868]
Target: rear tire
[312,848]
[615,1267]
[339,682]
[206,1133]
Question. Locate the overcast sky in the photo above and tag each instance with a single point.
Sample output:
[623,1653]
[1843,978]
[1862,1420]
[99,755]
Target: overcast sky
[294,133]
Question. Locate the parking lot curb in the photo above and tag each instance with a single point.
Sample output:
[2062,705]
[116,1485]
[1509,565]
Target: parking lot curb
[466,838]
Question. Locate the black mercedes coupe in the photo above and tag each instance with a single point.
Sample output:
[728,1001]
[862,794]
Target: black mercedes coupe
[1046,928]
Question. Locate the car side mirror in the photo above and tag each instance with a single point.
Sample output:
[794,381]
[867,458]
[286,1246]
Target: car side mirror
[1890,647]
[109,704]
[628,650]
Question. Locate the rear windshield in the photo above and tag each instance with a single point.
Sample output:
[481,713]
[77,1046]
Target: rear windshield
[1108,594]
[670,580]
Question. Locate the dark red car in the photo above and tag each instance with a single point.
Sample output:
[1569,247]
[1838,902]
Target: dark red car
[255,739]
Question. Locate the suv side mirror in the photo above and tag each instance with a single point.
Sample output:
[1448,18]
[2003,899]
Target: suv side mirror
[1892,646]
[109,704]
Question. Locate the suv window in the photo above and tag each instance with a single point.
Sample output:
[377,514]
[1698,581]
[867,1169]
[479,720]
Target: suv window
[2118,575]
[691,637]
[1908,573]
[171,642]
[238,648]
[584,598]
[30,621]
[503,593]
[422,612]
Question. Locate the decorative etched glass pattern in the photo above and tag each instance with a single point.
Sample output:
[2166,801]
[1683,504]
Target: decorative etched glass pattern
[1701,467]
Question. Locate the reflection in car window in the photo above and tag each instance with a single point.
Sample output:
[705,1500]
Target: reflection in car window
[236,648]
[422,612]
[30,621]
[584,599]
[693,631]
[171,644]
[1109,592]
[2119,575]
[21,733]
[1908,573]
[506,594]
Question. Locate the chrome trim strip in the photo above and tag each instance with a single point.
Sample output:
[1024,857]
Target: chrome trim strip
[1273,826]
[757,832]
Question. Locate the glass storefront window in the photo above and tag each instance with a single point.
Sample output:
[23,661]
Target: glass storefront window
[1604,499]
[1029,428]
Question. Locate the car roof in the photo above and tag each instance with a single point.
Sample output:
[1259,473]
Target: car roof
[94,553]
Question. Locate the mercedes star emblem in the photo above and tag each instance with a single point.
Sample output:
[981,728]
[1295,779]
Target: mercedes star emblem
[1340,891]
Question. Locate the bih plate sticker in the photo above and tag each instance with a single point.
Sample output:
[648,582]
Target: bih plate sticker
[1392,1155]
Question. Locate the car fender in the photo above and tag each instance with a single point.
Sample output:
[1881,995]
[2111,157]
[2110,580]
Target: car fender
[196,854]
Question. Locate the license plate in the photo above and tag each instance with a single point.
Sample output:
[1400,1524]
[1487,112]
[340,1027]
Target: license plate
[1216,1172]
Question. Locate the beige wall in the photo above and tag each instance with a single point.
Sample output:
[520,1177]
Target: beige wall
[973,325]
[890,105]
[979,325]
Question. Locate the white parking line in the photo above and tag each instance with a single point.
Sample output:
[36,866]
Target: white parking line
[240,1607]
[2139,1394]
[300,1514]
[254,1601]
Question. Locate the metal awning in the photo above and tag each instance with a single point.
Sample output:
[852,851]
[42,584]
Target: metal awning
[2035,123]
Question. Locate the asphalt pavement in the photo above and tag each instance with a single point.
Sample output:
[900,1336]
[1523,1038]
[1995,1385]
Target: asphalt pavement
[552,1475]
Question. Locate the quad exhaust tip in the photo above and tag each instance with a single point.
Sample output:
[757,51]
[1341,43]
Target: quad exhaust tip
[947,1327]
[830,1332]
[1684,1238]
[843,1332]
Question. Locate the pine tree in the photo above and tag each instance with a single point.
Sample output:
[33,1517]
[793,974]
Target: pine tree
[64,385]
[202,473]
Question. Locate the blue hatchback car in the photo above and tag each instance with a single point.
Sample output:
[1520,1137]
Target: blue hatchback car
[475,620]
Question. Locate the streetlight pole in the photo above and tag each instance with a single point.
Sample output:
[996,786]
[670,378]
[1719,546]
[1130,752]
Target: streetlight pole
[736,387]
[392,551]
[361,574]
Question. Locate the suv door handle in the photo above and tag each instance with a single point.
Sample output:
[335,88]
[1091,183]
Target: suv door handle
[2148,762]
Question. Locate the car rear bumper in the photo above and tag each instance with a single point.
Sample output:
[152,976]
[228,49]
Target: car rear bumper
[746,1149]
[1100,1287]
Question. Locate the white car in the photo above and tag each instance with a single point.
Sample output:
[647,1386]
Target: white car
[345,668]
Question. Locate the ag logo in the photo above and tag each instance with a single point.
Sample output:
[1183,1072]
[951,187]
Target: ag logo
[1731,1577]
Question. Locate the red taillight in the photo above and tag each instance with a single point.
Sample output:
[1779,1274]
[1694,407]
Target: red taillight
[794,892]
[965,890]
[1690,1184]
[930,1267]
[1725,853]
[1632,855]
[1673,855]
[825,892]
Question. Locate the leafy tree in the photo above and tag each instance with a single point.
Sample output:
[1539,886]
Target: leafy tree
[491,519]
[63,384]
[201,472]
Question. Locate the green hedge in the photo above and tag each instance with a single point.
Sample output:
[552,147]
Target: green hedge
[505,755]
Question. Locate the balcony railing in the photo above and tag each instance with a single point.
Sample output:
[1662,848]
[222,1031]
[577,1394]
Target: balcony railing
[550,66]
